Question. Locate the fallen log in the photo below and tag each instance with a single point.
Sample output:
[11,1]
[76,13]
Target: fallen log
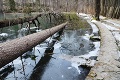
[11,50]
[11,22]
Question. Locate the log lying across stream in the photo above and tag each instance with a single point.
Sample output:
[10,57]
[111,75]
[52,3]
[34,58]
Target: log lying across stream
[11,50]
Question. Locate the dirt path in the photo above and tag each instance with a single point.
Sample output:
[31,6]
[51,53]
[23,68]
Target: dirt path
[115,21]
[107,64]
[112,24]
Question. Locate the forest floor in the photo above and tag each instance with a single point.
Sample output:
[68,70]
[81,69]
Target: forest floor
[107,66]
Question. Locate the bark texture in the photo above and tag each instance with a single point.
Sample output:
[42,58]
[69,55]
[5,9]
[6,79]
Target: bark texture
[1,6]
[11,50]
[97,9]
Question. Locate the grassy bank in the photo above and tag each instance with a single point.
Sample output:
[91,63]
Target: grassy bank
[74,21]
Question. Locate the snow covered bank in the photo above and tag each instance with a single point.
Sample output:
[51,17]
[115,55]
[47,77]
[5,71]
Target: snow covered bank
[89,58]
[110,27]
[115,32]
[112,23]
[86,59]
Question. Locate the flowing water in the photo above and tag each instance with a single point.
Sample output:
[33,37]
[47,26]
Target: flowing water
[45,61]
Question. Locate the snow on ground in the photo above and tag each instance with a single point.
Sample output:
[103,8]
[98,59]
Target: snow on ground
[82,14]
[119,54]
[115,32]
[116,24]
[39,30]
[85,16]
[3,35]
[116,35]
[94,27]
[110,27]
[76,61]
[87,36]
[102,17]
[95,52]
[93,21]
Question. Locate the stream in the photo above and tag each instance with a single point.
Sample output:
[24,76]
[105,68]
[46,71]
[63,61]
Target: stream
[57,58]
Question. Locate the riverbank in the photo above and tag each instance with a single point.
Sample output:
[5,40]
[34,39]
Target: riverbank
[107,64]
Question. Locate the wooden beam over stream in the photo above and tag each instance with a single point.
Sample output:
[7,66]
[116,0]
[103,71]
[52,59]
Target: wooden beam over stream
[11,50]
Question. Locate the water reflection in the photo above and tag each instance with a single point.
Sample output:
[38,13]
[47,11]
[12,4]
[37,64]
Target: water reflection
[35,67]
[6,71]
[40,63]
[74,43]
[40,67]
[24,29]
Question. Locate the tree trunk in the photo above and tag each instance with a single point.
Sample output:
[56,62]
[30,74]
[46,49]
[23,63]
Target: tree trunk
[102,6]
[76,6]
[11,50]
[1,6]
[12,22]
[97,9]
[12,5]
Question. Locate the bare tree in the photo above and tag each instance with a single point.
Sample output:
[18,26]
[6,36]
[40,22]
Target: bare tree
[1,6]
[97,9]
[12,5]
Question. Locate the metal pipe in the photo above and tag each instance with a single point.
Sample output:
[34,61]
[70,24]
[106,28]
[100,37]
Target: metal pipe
[11,50]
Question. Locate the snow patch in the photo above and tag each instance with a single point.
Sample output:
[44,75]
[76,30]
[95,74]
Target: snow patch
[85,16]
[69,67]
[76,61]
[82,14]
[62,76]
[94,27]
[95,52]
[17,61]
[119,53]
[32,28]
[23,29]
[93,21]
[3,35]
[102,17]
[87,36]
[116,35]
[112,23]
[110,27]
[76,66]
[39,30]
